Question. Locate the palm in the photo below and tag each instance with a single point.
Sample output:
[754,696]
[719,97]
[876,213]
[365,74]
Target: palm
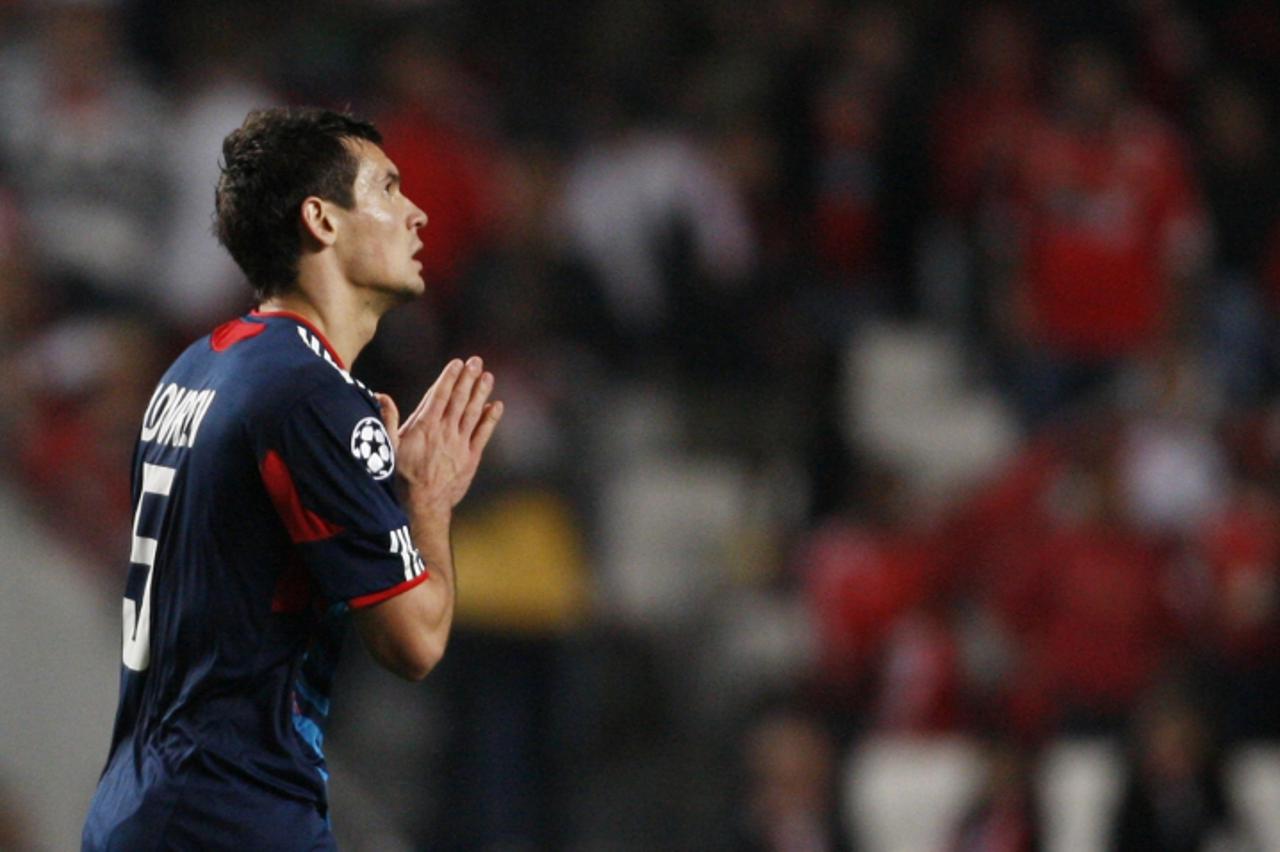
[439,447]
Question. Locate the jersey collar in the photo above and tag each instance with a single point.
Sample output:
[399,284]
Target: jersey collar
[298,318]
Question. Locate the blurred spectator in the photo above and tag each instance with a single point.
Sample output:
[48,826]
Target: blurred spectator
[88,379]
[980,123]
[852,113]
[82,143]
[1085,599]
[1005,817]
[790,803]
[864,571]
[1174,469]
[1175,800]
[1111,235]
[1239,174]
[650,214]
[986,536]
[1242,188]
[740,334]
[919,689]
[217,83]
[436,123]
[1239,627]
[982,116]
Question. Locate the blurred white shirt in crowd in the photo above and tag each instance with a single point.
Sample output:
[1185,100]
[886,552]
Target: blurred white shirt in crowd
[624,199]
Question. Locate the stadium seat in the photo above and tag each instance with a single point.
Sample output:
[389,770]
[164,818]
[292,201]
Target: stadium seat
[1253,785]
[1080,785]
[905,795]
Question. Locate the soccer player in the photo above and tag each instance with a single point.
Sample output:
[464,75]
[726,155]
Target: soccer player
[265,518]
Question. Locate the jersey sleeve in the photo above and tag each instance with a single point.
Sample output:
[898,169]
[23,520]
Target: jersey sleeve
[328,468]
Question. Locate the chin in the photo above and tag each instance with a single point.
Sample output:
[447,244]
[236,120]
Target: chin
[389,296]
[411,288]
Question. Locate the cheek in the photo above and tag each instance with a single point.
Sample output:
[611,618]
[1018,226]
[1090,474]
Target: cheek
[381,216]
[377,238]
[388,236]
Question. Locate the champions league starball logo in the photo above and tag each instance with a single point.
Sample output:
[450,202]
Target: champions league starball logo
[371,446]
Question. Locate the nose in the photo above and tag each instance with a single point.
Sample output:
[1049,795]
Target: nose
[417,218]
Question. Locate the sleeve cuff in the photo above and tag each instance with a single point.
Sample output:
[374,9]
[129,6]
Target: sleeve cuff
[386,594]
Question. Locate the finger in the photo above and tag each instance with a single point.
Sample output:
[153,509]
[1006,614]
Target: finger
[462,390]
[475,406]
[489,422]
[390,418]
[433,401]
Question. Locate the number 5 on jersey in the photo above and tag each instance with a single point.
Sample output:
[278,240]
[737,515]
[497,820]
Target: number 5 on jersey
[156,480]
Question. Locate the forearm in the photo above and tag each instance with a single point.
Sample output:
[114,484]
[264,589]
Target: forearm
[429,524]
[437,451]
[408,632]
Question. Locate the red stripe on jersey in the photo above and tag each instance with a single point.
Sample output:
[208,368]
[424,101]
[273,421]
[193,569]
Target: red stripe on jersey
[379,597]
[303,524]
[230,333]
[299,318]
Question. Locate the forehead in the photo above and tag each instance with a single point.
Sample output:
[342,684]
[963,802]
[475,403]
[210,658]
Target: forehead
[371,162]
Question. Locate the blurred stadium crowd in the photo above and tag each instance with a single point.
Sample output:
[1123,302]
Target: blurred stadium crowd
[872,369]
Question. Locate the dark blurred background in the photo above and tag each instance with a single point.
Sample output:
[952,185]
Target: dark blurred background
[892,447]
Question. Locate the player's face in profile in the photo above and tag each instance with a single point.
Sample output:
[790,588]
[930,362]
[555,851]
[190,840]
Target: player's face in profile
[379,235]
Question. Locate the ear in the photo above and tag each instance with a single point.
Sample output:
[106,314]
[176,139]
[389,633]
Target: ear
[318,222]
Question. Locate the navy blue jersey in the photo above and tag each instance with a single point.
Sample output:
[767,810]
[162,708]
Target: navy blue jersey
[263,513]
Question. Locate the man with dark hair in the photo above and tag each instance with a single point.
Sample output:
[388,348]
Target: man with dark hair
[265,517]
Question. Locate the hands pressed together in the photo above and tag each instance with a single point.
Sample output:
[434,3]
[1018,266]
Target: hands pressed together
[438,448]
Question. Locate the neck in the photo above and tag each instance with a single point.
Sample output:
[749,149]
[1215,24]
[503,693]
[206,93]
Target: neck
[347,321]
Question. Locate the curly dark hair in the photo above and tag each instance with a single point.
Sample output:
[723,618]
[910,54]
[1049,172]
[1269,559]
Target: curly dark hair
[270,164]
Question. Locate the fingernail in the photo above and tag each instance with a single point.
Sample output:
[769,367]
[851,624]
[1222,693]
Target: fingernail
[473,363]
[487,379]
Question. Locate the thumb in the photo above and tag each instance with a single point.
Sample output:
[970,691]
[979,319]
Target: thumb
[390,416]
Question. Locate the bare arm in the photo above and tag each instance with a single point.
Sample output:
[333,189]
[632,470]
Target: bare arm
[438,449]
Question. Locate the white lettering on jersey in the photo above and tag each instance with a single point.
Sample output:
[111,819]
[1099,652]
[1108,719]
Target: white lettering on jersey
[136,651]
[402,546]
[174,415]
[315,345]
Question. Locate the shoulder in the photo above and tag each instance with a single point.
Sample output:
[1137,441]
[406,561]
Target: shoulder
[275,365]
[281,350]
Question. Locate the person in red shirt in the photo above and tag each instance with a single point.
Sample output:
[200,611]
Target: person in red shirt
[871,578]
[1083,602]
[979,123]
[1111,231]
[1239,633]
[853,110]
[436,119]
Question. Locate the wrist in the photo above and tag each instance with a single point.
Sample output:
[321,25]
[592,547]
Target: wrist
[429,510]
